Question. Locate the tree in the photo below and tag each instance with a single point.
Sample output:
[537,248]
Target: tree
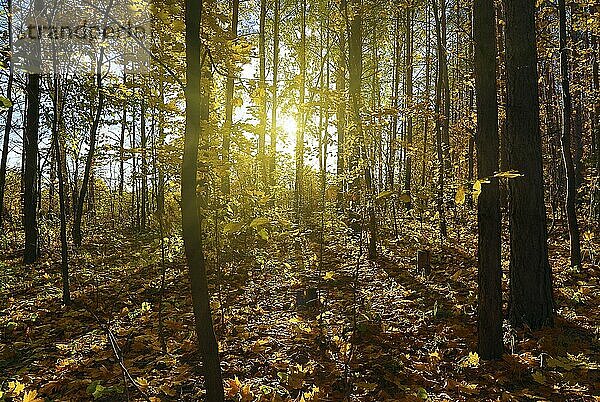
[9,117]
[229,91]
[489,218]
[30,171]
[531,301]
[64,250]
[273,147]
[191,224]
[440,122]
[340,87]
[76,230]
[301,115]
[565,140]
[262,89]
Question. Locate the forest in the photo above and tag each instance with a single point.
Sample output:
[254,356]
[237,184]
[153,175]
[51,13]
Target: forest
[299,200]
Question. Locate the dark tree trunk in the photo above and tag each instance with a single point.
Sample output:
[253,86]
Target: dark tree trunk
[439,89]
[565,140]
[30,171]
[531,299]
[489,219]
[191,223]
[76,230]
[8,124]
[64,251]
[122,149]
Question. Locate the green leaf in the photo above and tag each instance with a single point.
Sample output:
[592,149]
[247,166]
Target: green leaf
[539,377]
[232,227]
[384,195]
[264,234]
[422,393]
[5,103]
[261,221]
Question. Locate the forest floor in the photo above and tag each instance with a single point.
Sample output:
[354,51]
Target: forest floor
[382,331]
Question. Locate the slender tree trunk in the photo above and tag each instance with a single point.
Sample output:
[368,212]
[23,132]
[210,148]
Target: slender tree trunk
[298,185]
[489,219]
[143,145]
[439,88]
[340,87]
[64,251]
[229,91]
[565,140]
[122,149]
[76,230]
[262,129]
[409,101]
[426,97]
[273,148]
[191,223]
[8,124]
[531,300]
[391,168]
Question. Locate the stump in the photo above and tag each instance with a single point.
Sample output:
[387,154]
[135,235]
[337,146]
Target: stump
[424,262]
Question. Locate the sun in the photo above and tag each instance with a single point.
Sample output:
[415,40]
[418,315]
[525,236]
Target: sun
[288,124]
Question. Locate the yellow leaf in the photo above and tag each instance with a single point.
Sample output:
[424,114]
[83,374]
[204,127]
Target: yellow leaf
[142,382]
[476,190]
[472,360]
[31,396]
[15,387]
[167,390]
[511,174]
[328,276]
[459,199]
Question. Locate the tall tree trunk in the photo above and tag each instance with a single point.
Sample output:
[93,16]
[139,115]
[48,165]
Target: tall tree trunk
[531,299]
[64,251]
[191,223]
[439,122]
[391,168]
[143,145]
[340,87]
[489,219]
[160,191]
[30,174]
[8,123]
[262,85]
[298,185]
[565,140]
[122,148]
[229,91]
[409,101]
[76,230]
[426,95]
[273,148]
